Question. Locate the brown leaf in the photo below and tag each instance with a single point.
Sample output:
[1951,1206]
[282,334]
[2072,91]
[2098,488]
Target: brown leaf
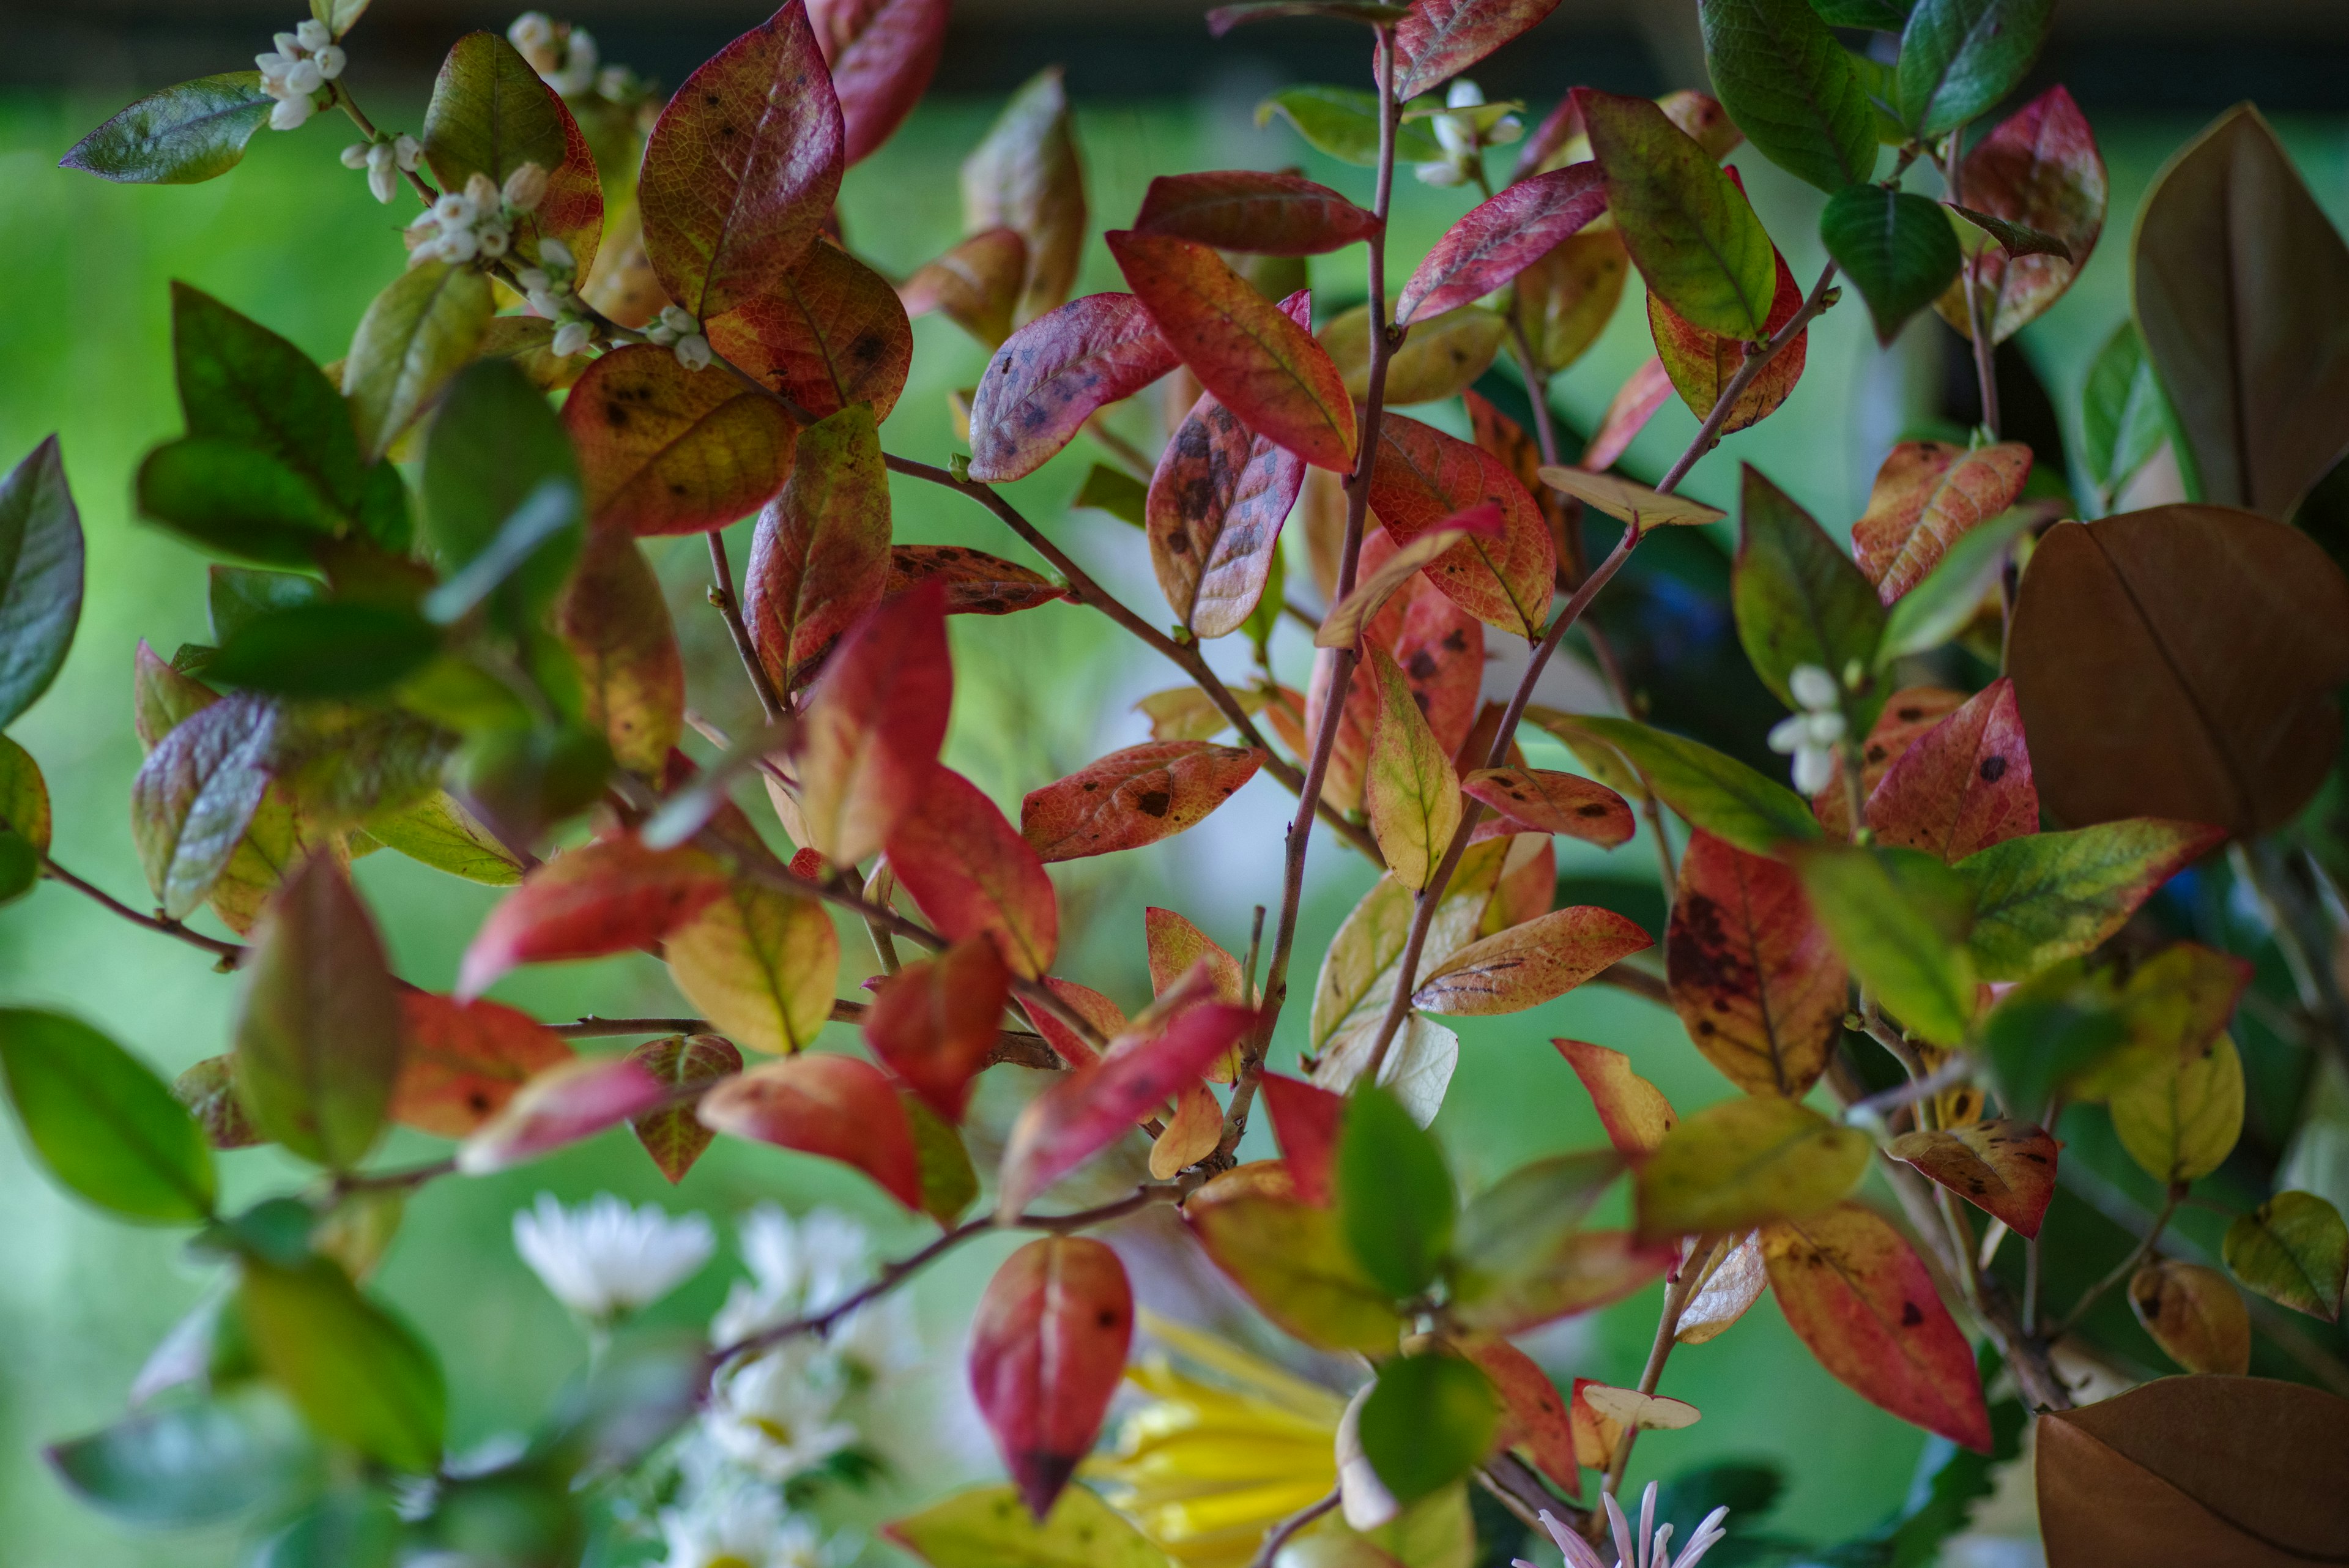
[1542,800]
[1754,977]
[2002,1168]
[1527,965]
[820,553]
[673,1134]
[976,582]
[830,333]
[1733,1279]
[462,1060]
[2195,1315]
[665,449]
[1927,494]
[976,285]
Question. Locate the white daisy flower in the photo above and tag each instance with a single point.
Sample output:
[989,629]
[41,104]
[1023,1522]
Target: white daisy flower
[777,1416]
[604,1259]
[742,1527]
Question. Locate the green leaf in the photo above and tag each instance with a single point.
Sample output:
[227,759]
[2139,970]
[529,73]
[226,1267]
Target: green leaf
[1799,599]
[2051,895]
[490,114]
[318,1032]
[104,1124]
[418,332]
[1294,1263]
[1713,791]
[989,1527]
[1939,606]
[1791,87]
[24,795]
[495,448]
[234,499]
[437,832]
[1522,1255]
[2048,1032]
[2181,1122]
[326,649]
[1731,1166]
[1395,1197]
[2121,420]
[20,866]
[1689,227]
[40,577]
[1428,1420]
[187,1464]
[241,594]
[1896,247]
[178,136]
[2292,1248]
[339,16]
[1884,15]
[359,1375]
[1344,123]
[1899,917]
[1958,57]
[352,1527]
[1117,492]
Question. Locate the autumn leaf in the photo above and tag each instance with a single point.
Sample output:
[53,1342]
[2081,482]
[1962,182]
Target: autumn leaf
[935,1021]
[1260,213]
[2039,166]
[616,624]
[666,449]
[1635,403]
[1634,504]
[559,1107]
[831,332]
[760,963]
[1529,964]
[1441,39]
[462,1060]
[672,1134]
[2052,896]
[1382,579]
[1305,1122]
[2005,1168]
[976,582]
[1700,363]
[1543,800]
[1292,1261]
[1533,1412]
[1501,237]
[1732,1282]
[1424,479]
[976,285]
[1409,791]
[1439,646]
[490,114]
[1577,1271]
[1928,494]
[1634,1112]
[2194,1315]
[1048,1352]
[820,553]
[870,728]
[1907,716]
[605,896]
[2181,1119]
[2292,1249]
[1216,503]
[1734,1164]
[835,1107]
[971,873]
[1687,225]
[1133,797]
[1024,175]
[1057,372]
[1754,977]
[882,55]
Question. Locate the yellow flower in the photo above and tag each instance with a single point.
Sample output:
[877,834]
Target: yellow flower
[1206,1467]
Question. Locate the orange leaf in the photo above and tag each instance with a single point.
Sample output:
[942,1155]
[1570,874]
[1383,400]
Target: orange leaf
[2003,1167]
[1187,967]
[665,449]
[1091,1107]
[935,1021]
[836,1107]
[976,285]
[1305,1121]
[1190,1135]
[1106,1017]
[2195,1315]
[820,551]
[1753,975]
[1907,715]
[1853,1291]
[1259,214]
[1541,800]
[760,964]
[1243,348]
[1424,477]
[1054,374]
[1701,364]
[602,897]
[741,169]
[1635,403]
[830,333]
[1440,649]
[971,872]
[463,1061]
[1962,786]
[882,55]
[1133,797]
[1633,1111]
[560,1106]
[1047,1352]
[1527,965]
[673,1134]
[1343,626]
[872,726]
[976,582]
[1533,1412]
[1214,514]
[1927,494]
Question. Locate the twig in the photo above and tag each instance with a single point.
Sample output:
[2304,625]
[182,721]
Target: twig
[722,595]
[230,954]
[1977,329]
[1948,1075]
[401,1180]
[2127,1266]
[1668,1326]
[1280,1534]
[349,105]
[592,1027]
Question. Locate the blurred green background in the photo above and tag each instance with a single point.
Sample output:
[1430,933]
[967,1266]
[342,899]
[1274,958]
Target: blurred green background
[292,239]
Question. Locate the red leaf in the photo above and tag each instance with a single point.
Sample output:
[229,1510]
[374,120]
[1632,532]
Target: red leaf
[672,1134]
[1633,1111]
[873,726]
[561,1106]
[977,283]
[1213,512]
[2039,167]
[971,873]
[1927,494]
[1133,797]
[935,1021]
[1753,975]
[665,449]
[1091,1107]
[1437,645]
[2003,1167]
[1635,403]
[1047,1352]
[602,897]
[741,169]
[1243,348]
[976,583]
[1533,1412]
[1963,786]
[831,333]
[820,553]
[1424,477]
[1500,238]
[1853,1291]
[1441,39]
[836,1107]
[1054,374]
[463,1061]
[883,54]
[1260,215]
[1539,800]
[1701,364]
[1305,1120]
[1106,1017]
[1187,967]
[1907,715]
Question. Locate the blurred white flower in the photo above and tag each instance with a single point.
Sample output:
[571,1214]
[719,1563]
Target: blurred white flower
[1812,736]
[563,56]
[554,252]
[742,1527]
[1443,174]
[570,339]
[796,1266]
[777,1416]
[1457,132]
[604,1258]
[525,188]
[1814,687]
[312,34]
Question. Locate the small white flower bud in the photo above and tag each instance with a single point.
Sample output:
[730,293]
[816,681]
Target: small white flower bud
[331,60]
[525,188]
[493,240]
[1813,688]
[288,45]
[1507,129]
[554,252]
[1822,729]
[612,82]
[358,155]
[303,76]
[579,59]
[382,183]
[312,34]
[1788,735]
[1463,93]
[452,208]
[1814,770]
[1445,173]
[543,303]
[290,114]
[406,150]
[531,279]
[1455,135]
[482,191]
[531,30]
[693,351]
[678,319]
[272,66]
[427,219]
[570,339]
[458,246]
[660,332]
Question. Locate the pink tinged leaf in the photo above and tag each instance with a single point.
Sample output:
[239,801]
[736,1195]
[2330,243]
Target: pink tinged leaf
[882,55]
[1439,646]
[1634,1112]
[1424,477]
[2040,167]
[1133,797]
[1187,967]
[1635,403]
[1501,238]
[835,1107]
[559,1107]
[1305,1120]
[1085,1112]
[1057,372]
[1541,800]
[1256,214]
[1379,583]
[1926,495]
[873,724]
[1213,514]
[1106,1017]
[1047,1354]
[972,874]
[665,449]
[1963,786]
[1527,965]
[1246,350]
[462,1062]
[1441,39]
[2005,1169]
[934,1022]
[831,332]
[1533,1412]
[196,794]
[741,170]
[1753,975]
[820,553]
[606,896]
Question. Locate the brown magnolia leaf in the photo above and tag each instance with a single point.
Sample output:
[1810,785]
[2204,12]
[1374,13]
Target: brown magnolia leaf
[1635,403]
[1260,213]
[665,449]
[1057,372]
[1856,1294]
[2195,1315]
[820,553]
[2180,663]
[617,625]
[1024,176]
[1634,1112]
[674,1135]
[1441,39]
[882,55]
[830,333]
[1533,1412]
[1702,363]
[836,1107]
[976,285]
[1047,1354]
[976,582]
[1733,1279]
[1543,800]
[971,873]
[1216,503]
[462,1060]
[1422,479]
[2240,280]
[2039,167]
[1962,786]
[1754,977]
[1909,714]
[1928,494]
[935,1021]
[605,896]
[870,731]
[760,964]
[2003,1167]
[1527,965]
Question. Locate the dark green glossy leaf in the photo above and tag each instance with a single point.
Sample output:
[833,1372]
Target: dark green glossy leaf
[1896,247]
[1958,57]
[1427,1422]
[1791,87]
[1688,226]
[40,577]
[1712,789]
[104,1124]
[177,137]
[241,594]
[1884,15]
[188,1463]
[20,866]
[495,443]
[1799,599]
[351,1528]
[235,499]
[1899,917]
[326,649]
[1395,1198]
[359,1375]
[1344,123]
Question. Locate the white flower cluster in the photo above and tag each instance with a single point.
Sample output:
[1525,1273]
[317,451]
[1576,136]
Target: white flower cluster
[563,55]
[476,220]
[385,161]
[1464,137]
[675,328]
[548,287]
[1812,736]
[604,1259]
[303,61]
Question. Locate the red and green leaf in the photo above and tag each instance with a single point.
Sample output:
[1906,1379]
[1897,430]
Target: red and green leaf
[835,1107]
[1753,975]
[2053,896]
[1700,364]
[665,449]
[606,896]
[1259,214]
[1962,786]
[1133,797]
[1214,514]
[1411,793]
[1529,964]
[1305,1122]
[1533,1412]
[870,731]
[1500,238]
[1687,222]
[1424,478]
[761,963]
[462,1060]
[1927,494]
[1047,1354]
[559,1107]
[1543,800]
[672,1134]
[1634,1112]
[616,624]
[1441,39]
[2005,1169]
[820,554]
[2039,167]
[1635,403]
[830,333]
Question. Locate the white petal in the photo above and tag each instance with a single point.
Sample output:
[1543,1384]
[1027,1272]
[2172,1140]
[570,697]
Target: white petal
[356,155]
[1814,770]
[312,34]
[331,60]
[1813,686]
[1463,93]
[1786,736]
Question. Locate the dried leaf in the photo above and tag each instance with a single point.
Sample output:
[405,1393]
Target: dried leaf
[2002,1168]
[1638,1412]
[666,449]
[1541,800]
[1634,1112]
[935,1021]
[971,873]
[1733,1281]
[1048,1352]
[462,1060]
[976,582]
[2194,1315]
[1057,372]
[1754,977]
[1634,504]
[976,285]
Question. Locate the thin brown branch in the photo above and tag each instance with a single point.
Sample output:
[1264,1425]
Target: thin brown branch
[591,1027]
[1978,330]
[1683,1285]
[1280,1534]
[729,606]
[349,105]
[2136,1260]
[230,954]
